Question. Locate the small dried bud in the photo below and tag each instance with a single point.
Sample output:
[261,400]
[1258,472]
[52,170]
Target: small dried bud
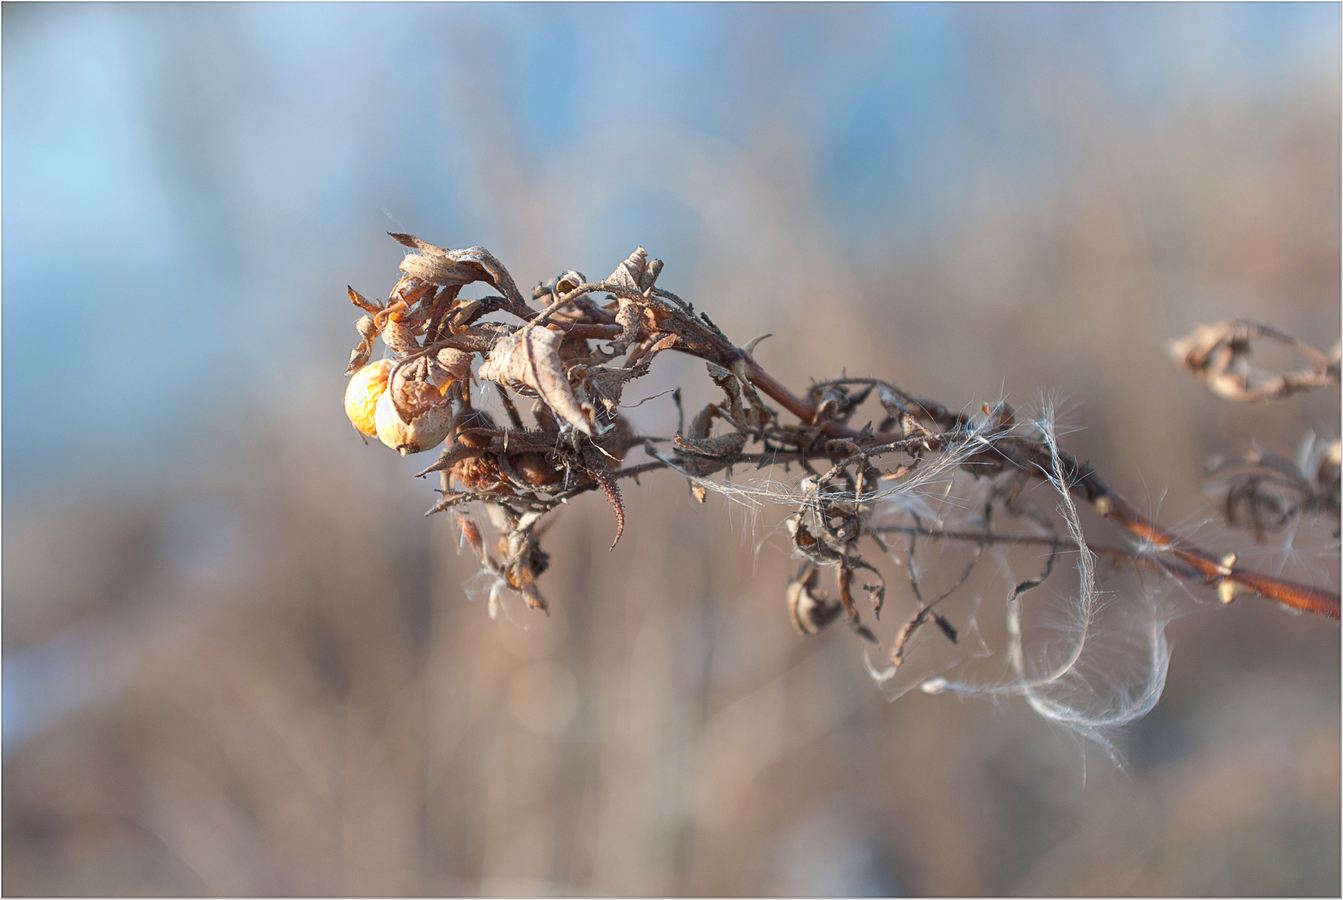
[474,428]
[366,387]
[478,475]
[535,469]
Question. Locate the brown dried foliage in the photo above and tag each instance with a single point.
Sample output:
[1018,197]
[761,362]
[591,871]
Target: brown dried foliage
[1219,356]
[855,442]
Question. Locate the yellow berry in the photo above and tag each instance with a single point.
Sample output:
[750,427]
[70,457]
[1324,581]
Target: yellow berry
[366,386]
[425,430]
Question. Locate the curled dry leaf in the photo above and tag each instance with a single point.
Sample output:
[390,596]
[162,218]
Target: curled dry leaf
[636,272]
[808,609]
[606,384]
[457,268]
[530,358]
[358,358]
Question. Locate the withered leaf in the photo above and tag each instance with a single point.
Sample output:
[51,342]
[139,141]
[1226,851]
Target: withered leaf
[449,458]
[471,535]
[530,357]
[362,302]
[606,384]
[567,281]
[703,422]
[358,357]
[732,388]
[646,350]
[809,610]
[629,317]
[455,268]
[845,592]
[637,272]
[545,419]
[725,446]
[448,501]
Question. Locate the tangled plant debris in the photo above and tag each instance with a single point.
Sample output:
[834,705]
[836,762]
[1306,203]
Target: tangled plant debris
[1219,355]
[1264,491]
[556,366]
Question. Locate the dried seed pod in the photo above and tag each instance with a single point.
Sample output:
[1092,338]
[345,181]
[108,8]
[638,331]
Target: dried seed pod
[426,428]
[535,469]
[478,475]
[473,428]
[366,387]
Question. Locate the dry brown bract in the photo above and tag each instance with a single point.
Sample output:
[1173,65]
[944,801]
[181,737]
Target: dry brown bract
[558,371]
[1267,492]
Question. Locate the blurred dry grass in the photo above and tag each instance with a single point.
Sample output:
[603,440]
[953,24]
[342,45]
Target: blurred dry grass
[261,675]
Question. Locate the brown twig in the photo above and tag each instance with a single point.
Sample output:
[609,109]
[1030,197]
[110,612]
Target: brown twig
[1204,566]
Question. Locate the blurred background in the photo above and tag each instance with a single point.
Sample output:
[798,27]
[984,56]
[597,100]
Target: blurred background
[238,661]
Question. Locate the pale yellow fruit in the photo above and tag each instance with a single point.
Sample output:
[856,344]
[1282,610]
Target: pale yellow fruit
[365,388]
[426,430]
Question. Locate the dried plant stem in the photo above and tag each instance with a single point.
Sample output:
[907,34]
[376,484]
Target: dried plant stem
[572,358]
[1200,566]
[1204,566]
[1117,555]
